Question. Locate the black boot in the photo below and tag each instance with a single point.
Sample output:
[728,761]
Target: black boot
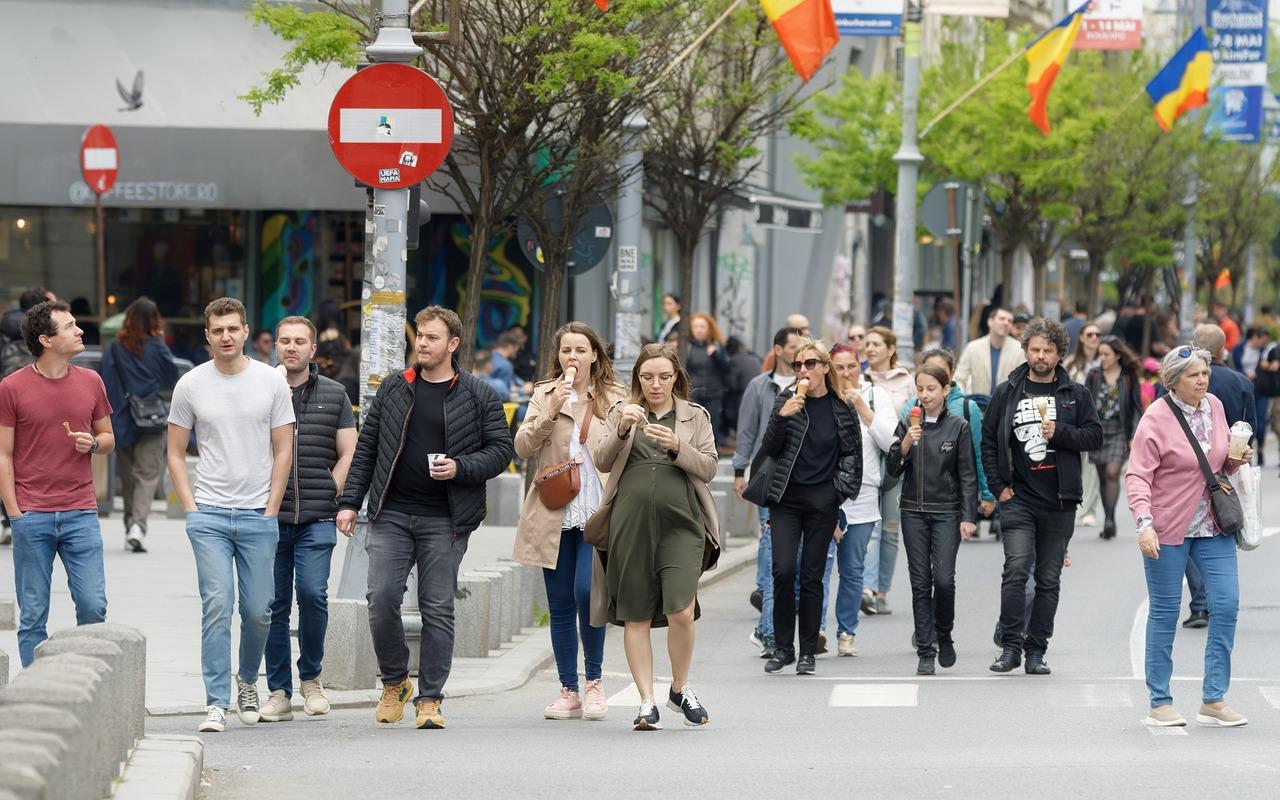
[1009,660]
[1036,664]
[926,666]
[946,653]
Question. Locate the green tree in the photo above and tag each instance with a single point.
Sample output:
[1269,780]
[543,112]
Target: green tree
[706,120]
[1236,209]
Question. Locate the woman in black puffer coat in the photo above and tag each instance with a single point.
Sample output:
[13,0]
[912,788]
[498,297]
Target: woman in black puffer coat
[815,440]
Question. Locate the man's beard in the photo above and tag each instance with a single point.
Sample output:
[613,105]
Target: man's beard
[1042,372]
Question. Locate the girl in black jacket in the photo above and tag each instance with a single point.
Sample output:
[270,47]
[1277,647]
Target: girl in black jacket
[1117,397]
[934,454]
[816,443]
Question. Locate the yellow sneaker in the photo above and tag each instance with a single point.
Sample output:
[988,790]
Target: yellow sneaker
[394,696]
[429,715]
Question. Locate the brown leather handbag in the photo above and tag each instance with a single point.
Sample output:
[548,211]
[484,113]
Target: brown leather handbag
[560,483]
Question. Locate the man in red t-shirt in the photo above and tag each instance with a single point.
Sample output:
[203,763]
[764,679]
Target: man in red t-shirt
[53,418]
[1229,327]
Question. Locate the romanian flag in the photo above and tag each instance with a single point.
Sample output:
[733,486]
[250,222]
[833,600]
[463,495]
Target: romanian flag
[807,30]
[1183,84]
[1045,57]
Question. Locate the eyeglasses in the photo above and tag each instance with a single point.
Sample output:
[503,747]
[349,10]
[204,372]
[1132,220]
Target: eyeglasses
[808,363]
[663,377]
[1090,334]
[854,337]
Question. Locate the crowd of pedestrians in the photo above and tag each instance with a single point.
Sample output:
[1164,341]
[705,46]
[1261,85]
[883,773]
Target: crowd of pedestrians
[848,453]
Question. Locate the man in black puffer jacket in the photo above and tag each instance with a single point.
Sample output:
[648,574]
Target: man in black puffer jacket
[324,440]
[432,438]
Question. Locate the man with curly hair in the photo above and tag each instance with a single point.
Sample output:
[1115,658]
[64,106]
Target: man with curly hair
[1037,425]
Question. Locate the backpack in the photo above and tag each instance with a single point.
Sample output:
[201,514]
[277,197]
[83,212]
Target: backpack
[14,355]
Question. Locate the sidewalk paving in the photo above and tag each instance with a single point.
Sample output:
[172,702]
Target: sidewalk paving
[157,593]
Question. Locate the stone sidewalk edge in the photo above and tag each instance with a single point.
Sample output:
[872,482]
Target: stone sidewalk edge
[512,669]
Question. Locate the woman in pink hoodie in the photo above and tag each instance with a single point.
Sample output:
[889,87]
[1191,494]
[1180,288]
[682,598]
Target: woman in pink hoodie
[1170,503]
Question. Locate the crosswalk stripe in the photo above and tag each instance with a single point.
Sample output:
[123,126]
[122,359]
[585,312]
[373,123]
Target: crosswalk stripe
[1272,695]
[1090,695]
[890,695]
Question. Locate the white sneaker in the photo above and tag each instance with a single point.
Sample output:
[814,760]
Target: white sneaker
[315,702]
[277,709]
[136,538]
[247,702]
[844,645]
[215,721]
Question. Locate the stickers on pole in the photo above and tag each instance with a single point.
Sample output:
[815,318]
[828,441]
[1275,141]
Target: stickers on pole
[390,126]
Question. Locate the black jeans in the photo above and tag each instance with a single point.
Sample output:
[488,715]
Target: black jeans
[1033,537]
[397,543]
[803,523]
[932,542]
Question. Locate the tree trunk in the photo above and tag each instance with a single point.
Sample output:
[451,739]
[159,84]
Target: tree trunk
[478,263]
[1038,287]
[1006,274]
[553,274]
[1096,259]
[684,252]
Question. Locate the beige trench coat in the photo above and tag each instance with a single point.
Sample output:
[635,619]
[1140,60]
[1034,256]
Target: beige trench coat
[544,441]
[698,457]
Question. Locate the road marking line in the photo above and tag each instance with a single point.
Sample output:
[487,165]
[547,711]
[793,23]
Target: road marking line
[629,696]
[1167,731]
[1090,695]
[1015,679]
[891,695]
[1272,695]
[1138,641]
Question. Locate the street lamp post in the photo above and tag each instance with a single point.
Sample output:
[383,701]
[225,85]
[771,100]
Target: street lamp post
[908,159]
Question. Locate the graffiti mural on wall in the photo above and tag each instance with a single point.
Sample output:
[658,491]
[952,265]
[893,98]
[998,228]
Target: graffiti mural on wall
[288,265]
[438,275]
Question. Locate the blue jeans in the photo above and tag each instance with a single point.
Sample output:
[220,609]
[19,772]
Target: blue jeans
[851,552]
[764,574]
[1216,558]
[1195,587]
[74,536]
[569,599]
[304,554]
[882,550]
[221,538]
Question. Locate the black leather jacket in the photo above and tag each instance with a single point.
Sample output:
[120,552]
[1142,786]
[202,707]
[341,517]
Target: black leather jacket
[939,475]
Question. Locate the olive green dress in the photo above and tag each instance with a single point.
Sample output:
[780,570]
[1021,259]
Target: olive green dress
[656,535]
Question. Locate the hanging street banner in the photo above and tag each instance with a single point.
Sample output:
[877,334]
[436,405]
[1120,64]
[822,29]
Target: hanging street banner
[1238,37]
[1111,25]
[868,17]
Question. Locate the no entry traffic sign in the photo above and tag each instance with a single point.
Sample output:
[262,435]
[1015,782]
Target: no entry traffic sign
[99,159]
[390,126]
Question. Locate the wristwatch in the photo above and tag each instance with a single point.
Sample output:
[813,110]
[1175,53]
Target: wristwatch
[93,448]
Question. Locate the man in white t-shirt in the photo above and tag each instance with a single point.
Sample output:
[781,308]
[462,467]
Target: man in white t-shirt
[242,414]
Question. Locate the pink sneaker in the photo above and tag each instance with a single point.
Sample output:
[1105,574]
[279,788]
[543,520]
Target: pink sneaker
[566,706]
[595,707]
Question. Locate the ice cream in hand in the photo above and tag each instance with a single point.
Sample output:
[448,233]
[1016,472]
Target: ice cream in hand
[570,374]
[914,417]
[802,388]
[1042,408]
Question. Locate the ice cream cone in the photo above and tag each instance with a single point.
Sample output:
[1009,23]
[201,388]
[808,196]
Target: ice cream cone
[571,374]
[802,388]
[914,417]
[1042,408]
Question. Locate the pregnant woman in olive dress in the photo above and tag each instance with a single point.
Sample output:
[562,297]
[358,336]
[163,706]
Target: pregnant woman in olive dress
[657,524]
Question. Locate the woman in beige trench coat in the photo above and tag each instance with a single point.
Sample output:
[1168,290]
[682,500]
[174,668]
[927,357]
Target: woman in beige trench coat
[657,525]
[577,397]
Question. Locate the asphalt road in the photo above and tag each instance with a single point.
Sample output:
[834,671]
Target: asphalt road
[865,725]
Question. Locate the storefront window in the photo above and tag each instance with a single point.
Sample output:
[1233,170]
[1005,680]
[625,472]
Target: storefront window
[49,247]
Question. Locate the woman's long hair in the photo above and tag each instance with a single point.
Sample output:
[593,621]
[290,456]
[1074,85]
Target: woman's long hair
[141,319]
[650,352]
[816,347]
[713,330]
[1078,359]
[604,383]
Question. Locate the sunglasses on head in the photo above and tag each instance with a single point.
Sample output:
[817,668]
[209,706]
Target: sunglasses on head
[808,363]
[1185,351]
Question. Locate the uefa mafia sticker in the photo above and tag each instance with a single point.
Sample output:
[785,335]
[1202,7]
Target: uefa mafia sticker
[389,175]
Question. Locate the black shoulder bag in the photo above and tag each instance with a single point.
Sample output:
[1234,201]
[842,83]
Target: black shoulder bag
[148,413]
[1223,503]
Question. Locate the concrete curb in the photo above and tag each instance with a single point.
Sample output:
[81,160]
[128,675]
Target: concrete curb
[166,767]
